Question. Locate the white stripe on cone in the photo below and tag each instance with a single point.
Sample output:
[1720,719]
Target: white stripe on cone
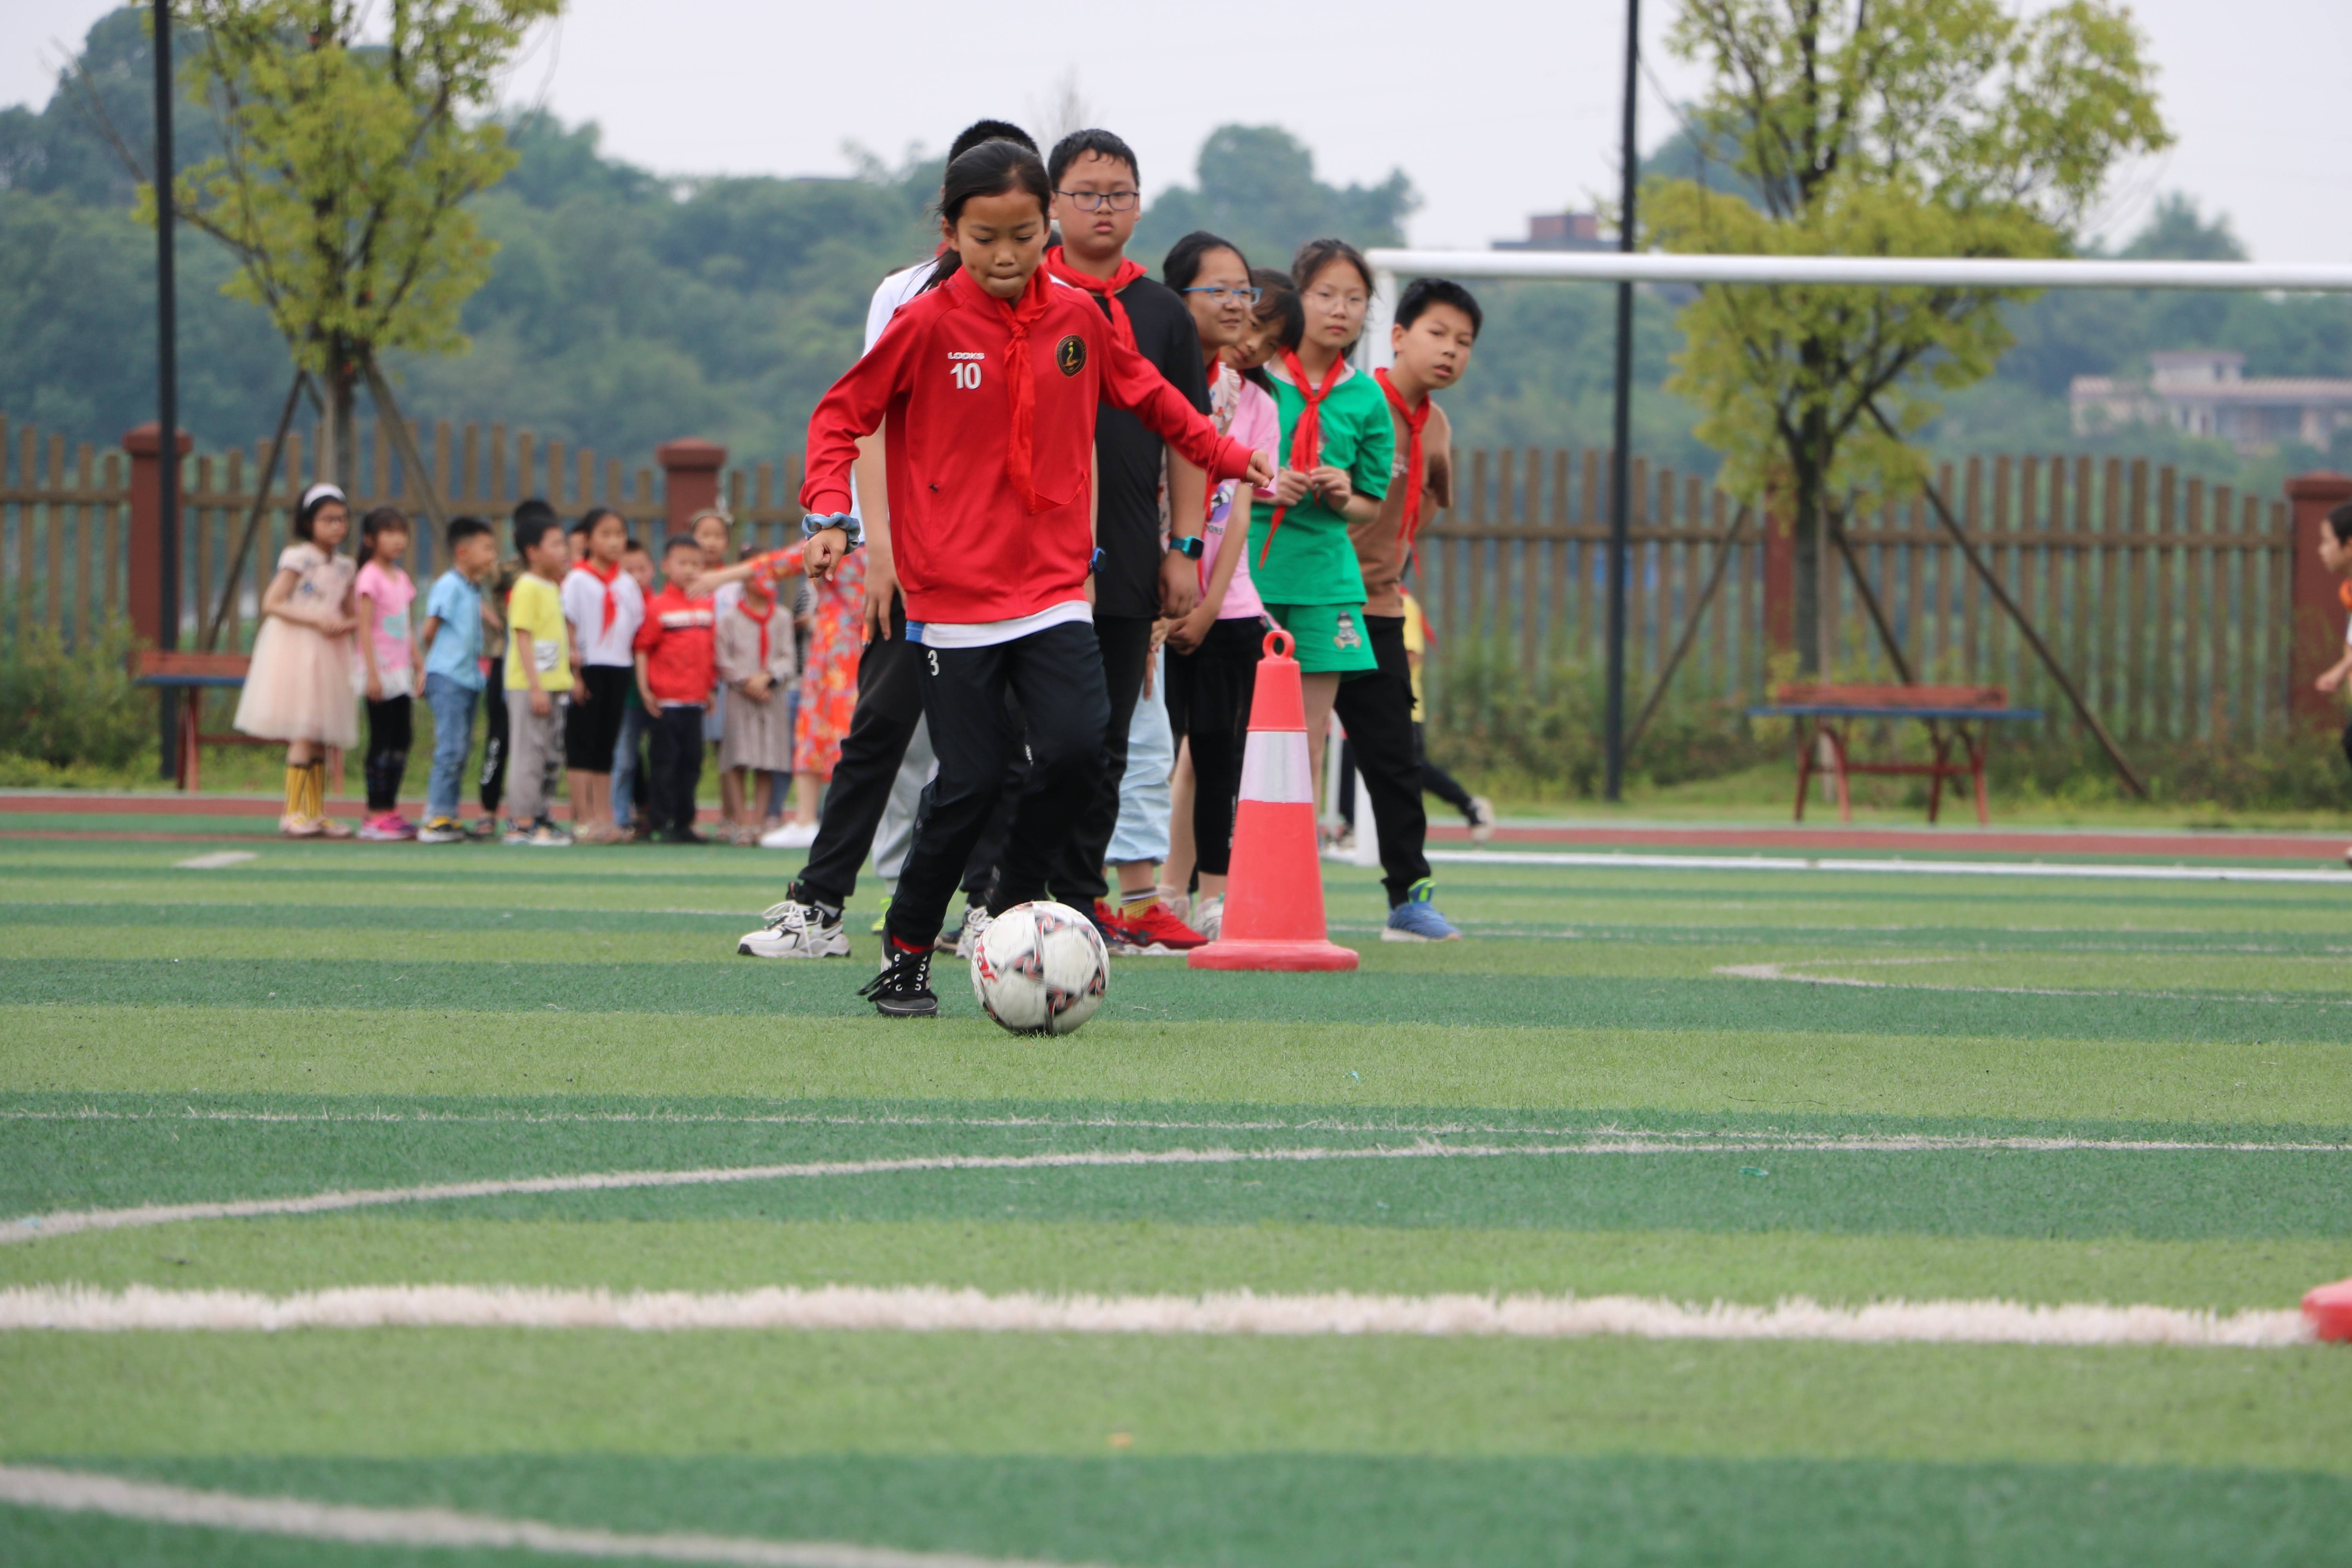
[1275,770]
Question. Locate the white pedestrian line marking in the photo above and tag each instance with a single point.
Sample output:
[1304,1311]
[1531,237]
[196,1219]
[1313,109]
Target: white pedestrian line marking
[1791,973]
[84,1492]
[929,1308]
[217,860]
[1611,862]
[69,1222]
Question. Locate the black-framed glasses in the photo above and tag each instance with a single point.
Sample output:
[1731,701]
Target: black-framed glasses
[1097,201]
[1223,294]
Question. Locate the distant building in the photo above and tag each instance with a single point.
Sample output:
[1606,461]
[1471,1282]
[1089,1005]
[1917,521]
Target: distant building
[2206,392]
[1560,231]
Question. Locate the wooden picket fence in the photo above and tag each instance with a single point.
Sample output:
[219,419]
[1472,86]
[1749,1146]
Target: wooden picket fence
[2164,596]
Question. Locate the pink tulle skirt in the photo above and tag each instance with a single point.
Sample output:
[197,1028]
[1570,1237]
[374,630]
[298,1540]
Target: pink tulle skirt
[300,688]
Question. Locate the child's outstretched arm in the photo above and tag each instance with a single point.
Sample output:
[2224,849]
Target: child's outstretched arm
[1133,382]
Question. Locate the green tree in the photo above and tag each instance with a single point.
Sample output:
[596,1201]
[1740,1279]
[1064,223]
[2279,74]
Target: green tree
[1899,127]
[344,168]
[1256,187]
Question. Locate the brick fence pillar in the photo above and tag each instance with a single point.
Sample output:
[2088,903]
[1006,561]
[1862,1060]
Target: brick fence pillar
[145,445]
[690,469]
[2317,628]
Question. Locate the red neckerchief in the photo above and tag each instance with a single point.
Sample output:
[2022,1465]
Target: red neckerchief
[2343,595]
[612,605]
[1017,316]
[1107,289]
[744,603]
[1306,436]
[1413,421]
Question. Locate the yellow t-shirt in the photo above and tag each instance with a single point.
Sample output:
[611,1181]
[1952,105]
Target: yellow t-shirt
[537,608]
[1416,644]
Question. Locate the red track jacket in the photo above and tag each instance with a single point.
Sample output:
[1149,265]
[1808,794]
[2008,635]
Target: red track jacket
[969,544]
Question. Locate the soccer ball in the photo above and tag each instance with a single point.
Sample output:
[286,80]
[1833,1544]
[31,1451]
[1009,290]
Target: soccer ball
[1040,969]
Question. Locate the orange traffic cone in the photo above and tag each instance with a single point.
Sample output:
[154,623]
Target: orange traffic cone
[1274,904]
[2329,1310]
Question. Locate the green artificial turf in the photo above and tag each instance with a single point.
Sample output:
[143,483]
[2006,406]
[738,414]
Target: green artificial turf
[329,1016]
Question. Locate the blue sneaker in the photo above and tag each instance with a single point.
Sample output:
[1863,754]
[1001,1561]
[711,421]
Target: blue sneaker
[1417,919]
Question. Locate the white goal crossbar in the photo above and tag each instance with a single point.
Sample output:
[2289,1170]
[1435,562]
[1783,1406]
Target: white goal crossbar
[1869,271]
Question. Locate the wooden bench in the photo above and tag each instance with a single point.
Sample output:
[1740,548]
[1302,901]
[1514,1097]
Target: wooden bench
[1825,713]
[192,674]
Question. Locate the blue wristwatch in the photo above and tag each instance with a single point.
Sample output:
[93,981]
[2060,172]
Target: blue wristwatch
[1093,562]
[1188,548]
[815,524]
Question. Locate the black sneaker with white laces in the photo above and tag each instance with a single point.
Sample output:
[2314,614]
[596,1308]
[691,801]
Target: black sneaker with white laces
[903,989]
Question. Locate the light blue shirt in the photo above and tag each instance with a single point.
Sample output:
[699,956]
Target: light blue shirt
[456,650]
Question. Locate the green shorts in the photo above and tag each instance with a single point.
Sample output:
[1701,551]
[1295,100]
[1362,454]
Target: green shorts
[1331,637]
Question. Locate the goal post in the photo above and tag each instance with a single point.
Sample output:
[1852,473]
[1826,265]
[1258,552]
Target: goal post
[1389,264]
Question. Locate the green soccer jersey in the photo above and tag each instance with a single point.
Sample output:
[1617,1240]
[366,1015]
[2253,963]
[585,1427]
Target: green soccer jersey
[1312,561]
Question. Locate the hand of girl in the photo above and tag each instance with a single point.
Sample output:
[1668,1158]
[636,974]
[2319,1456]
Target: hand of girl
[1187,635]
[335,625]
[1261,470]
[881,587]
[1289,487]
[825,547]
[1332,485]
[375,687]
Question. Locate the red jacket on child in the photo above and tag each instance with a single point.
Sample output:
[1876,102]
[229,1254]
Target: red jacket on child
[991,505]
[681,665]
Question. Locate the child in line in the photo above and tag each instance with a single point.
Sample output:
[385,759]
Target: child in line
[494,621]
[452,670]
[539,682]
[603,608]
[1212,653]
[381,595]
[990,382]
[2336,555]
[676,671]
[713,529]
[1339,446]
[298,688]
[629,773]
[753,644]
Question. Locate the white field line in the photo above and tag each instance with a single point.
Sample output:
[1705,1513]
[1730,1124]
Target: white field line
[82,1491]
[219,860]
[1788,972]
[69,1222]
[1895,867]
[927,1308]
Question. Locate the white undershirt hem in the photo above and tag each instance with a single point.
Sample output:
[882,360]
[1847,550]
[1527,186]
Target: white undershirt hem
[988,634]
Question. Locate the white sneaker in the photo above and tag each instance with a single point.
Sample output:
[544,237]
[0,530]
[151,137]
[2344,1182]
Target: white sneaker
[791,835]
[1482,819]
[976,920]
[1209,915]
[1177,901]
[795,931]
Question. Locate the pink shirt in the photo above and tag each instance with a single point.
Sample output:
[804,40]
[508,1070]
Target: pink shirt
[1257,426]
[391,592]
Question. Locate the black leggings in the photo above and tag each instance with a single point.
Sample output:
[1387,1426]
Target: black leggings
[1209,695]
[390,729]
[493,780]
[1057,676]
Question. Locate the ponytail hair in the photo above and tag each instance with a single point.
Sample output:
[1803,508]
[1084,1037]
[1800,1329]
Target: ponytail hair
[993,168]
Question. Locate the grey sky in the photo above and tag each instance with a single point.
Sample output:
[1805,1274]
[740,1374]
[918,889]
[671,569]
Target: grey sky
[1512,103]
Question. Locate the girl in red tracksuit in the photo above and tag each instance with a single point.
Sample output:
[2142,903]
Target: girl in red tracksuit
[988,383]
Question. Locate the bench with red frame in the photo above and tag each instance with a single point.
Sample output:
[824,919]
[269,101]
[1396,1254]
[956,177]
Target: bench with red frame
[1825,714]
[192,674]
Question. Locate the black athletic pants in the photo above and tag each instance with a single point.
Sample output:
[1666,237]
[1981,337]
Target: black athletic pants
[677,766]
[890,704]
[1435,780]
[591,726]
[1209,695]
[1377,709]
[1124,644]
[494,738]
[1057,675]
[391,730]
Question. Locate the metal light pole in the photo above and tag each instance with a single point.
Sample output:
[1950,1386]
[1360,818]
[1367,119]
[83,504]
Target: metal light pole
[1621,464]
[167,385]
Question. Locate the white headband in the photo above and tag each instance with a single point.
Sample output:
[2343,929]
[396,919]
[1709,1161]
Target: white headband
[318,492]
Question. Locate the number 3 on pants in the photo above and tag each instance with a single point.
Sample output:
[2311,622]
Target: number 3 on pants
[933,655]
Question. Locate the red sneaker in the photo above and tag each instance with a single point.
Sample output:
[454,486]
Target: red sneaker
[1156,928]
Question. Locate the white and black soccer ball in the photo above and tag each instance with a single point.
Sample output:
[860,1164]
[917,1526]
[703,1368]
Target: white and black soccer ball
[1040,969]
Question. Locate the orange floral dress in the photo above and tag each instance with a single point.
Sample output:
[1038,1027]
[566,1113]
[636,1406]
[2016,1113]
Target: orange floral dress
[828,693]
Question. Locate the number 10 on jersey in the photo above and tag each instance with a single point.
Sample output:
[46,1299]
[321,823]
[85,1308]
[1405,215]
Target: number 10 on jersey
[966,373]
